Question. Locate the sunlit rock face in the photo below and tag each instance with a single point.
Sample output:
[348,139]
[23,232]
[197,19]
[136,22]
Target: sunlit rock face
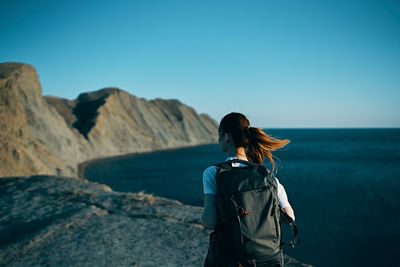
[50,135]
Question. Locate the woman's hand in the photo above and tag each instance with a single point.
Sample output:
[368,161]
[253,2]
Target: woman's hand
[289,211]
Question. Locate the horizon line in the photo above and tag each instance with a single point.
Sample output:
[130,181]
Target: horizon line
[327,128]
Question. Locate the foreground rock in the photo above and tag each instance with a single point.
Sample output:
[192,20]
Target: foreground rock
[50,135]
[55,221]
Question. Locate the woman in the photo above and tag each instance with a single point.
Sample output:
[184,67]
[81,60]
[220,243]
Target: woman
[240,141]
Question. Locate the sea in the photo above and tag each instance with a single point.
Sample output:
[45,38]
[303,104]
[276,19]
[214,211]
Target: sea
[343,184]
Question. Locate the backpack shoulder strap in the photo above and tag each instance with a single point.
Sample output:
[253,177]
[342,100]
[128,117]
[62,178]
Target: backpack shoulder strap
[223,165]
[287,219]
[228,164]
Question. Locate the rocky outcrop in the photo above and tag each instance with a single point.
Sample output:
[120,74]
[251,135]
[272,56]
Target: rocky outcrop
[25,120]
[55,221]
[50,135]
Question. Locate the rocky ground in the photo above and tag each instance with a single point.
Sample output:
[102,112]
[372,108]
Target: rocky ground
[56,221]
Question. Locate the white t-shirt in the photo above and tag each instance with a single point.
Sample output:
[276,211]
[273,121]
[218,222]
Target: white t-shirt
[210,185]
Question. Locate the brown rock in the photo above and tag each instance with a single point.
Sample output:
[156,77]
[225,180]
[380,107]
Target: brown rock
[50,135]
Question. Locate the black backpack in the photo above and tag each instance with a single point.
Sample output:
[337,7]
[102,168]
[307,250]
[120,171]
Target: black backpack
[248,227]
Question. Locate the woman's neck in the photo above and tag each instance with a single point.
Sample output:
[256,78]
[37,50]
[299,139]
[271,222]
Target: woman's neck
[238,152]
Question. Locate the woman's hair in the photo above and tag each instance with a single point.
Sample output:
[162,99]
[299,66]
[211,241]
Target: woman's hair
[258,145]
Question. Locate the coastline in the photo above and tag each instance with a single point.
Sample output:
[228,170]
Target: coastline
[82,166]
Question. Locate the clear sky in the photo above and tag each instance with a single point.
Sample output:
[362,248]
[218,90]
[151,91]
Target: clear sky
[282,63]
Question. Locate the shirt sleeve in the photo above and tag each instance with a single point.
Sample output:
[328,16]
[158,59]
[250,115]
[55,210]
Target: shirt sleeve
[282,196]
[209,183]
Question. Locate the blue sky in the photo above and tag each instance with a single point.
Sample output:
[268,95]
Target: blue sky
[282,63]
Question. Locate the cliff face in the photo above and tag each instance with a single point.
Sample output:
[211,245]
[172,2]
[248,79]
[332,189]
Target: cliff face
[24,120]
[50,135]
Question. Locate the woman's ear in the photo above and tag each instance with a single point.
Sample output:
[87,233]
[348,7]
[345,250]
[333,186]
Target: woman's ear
[227,137]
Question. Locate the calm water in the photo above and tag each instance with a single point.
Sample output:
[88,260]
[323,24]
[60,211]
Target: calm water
[344,185]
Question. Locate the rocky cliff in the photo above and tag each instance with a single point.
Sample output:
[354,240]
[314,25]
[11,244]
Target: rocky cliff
[50,135]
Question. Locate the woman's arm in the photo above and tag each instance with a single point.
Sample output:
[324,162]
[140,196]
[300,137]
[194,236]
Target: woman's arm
[283,200]
[289,211]
[209,216]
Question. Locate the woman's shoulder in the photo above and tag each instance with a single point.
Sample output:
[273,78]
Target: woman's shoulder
[210,170]
[209,182]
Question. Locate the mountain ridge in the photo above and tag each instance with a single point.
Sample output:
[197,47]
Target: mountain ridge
[48,135]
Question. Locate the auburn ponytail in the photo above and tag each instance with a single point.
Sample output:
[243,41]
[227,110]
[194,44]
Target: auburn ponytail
[258,144]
